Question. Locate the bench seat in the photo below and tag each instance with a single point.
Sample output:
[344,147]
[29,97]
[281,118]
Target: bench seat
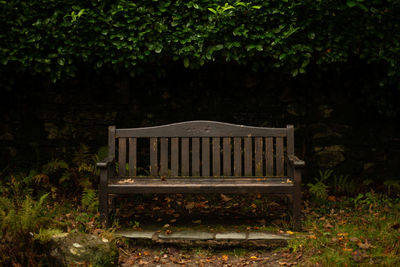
[138,185]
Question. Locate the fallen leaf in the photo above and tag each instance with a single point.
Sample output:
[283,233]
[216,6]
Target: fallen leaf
[196,221]
[172,221]
[354,239]
[347,249]
[328,225]
[189,205]
[312,237]
[253,257]
[146,253]
[290,232]
[224,257]
[166,225]
[332,198]
[342,234]
[225,198]
[253,206]
[364,245]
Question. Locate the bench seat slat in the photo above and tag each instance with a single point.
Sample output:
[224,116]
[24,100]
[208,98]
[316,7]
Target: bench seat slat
[202,185]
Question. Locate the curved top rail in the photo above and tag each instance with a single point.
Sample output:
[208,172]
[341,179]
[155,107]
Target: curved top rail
[200,129]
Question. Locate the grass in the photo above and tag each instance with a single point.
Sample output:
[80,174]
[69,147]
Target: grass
[349,233]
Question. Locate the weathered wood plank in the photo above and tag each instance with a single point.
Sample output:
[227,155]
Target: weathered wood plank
[195,156]
[185,157]
[269,156]
[258,156]
[132,156]
[237,156]
[201,129]
[290,147]
[190,186]
[122,156]
[153,156]
[174,156]
[216,155]
[111,142]
[205,157]
[226,142]
[164,156]
[279,156]
[248,156]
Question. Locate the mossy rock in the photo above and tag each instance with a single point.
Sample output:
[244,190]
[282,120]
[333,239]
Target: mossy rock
[76,249]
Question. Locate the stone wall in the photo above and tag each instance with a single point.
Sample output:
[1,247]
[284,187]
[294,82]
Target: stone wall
[338,125]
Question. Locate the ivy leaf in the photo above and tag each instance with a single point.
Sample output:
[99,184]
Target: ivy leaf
[186,62]
[351,3]
[61,61]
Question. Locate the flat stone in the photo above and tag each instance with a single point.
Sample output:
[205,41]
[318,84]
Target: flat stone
[187,235]
[266,236]
[137,234]
[230,236]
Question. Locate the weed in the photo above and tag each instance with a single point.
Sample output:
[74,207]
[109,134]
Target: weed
[319,189]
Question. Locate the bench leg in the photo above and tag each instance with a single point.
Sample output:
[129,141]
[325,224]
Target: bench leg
[103,206]
[296,202]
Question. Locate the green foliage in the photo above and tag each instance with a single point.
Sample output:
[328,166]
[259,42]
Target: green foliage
[22,223]
[54,37]
[363,232]
[90,200]
[343,184]
[319,189]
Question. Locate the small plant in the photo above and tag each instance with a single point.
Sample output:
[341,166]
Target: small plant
[319,189]
[23,227]
[342,184]
[89,200]
[392,184]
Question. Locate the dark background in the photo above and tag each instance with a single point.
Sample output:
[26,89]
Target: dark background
[343,120]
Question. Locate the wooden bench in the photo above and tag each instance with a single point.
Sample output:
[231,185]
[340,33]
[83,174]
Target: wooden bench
[201,157]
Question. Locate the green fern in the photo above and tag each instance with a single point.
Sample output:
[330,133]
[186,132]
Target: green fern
[54,166]
[342,184]
[319,189]
[90,200]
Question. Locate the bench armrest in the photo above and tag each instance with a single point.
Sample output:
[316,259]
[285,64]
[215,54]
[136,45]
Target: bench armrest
[296,162]
[105,163]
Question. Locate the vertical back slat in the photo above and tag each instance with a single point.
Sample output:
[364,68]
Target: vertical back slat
[237,156]
[269,156]
[132,156]
[216,156]
[205,156]
[122,156]
[258,156]
[248,156]
[195,156]
[290,147]
[279,156]
[164,156]
[111,141]
[153,156]
[227,156]
[174,156]
[185,157]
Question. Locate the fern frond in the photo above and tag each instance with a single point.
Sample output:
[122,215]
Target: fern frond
[54,165]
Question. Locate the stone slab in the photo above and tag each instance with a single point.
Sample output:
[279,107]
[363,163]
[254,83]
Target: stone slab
[137,234]
[230,236]
[187,235]
[266,236]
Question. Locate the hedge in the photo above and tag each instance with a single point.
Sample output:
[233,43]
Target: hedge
[54,37]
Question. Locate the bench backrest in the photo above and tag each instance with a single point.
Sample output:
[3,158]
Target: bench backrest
[202,148]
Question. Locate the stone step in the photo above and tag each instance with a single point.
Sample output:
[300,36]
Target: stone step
[209,238]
